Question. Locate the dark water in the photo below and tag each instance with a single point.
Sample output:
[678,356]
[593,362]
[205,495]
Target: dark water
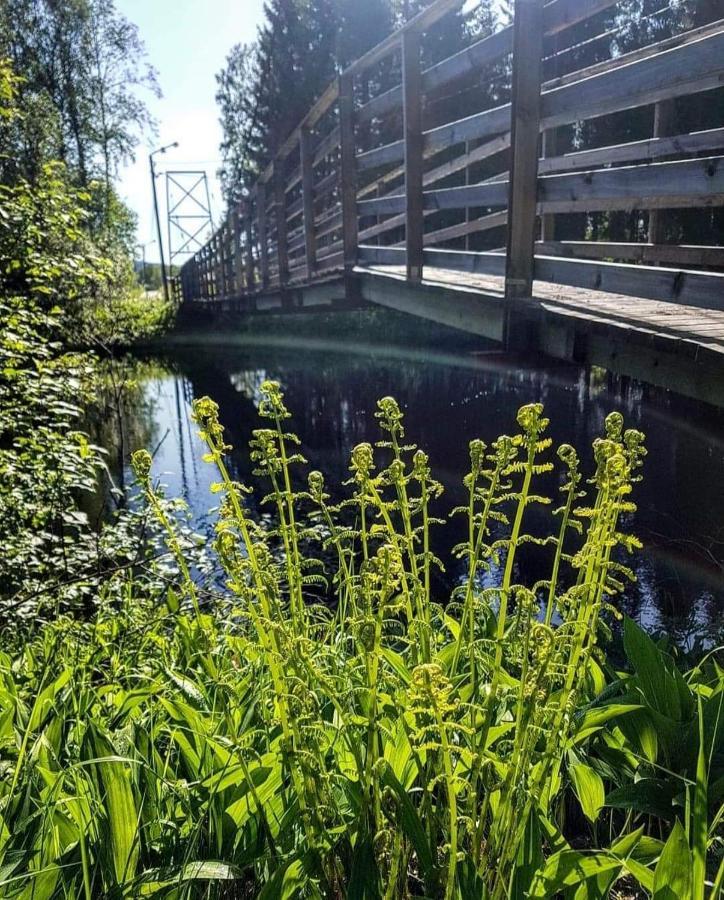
[448,399]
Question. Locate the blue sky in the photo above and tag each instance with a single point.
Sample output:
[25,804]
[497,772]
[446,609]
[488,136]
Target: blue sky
[187,41]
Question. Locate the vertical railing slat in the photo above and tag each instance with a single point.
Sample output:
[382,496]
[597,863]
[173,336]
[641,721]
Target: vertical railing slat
[280,212]
[348,173]
[262,234]
[412,118]
[305,162]
[525,129]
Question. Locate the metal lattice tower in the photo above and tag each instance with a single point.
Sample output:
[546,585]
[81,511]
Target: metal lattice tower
[189,213]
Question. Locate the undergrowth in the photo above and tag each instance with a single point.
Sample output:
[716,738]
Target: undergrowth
[335,729]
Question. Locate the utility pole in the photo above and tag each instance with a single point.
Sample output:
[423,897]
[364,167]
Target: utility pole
[158,219]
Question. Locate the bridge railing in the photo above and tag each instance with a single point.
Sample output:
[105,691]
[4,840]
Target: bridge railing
[458,165]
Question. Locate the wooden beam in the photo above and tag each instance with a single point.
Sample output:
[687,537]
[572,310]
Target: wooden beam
[684,255]
[412,107]
[525,128]
[681,183]
[348,170]
[305,154]
[702,289]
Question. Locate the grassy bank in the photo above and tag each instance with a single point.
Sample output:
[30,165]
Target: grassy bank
[323,725]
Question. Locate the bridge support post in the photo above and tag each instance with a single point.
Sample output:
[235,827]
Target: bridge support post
[348,171]
[412,114]
[525,128]
[306,164]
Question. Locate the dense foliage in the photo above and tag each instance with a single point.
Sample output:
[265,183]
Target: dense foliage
[259,742]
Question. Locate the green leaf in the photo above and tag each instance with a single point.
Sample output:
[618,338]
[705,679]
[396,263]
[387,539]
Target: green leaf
[571,868]
[365,875]
[660,681]
[651,796]
[699,815]
[588,787]
[287,882]
[673,879]
[119,807]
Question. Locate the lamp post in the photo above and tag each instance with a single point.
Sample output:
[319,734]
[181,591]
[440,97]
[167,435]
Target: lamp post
[158,220]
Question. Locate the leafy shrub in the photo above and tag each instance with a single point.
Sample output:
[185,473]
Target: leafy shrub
[261,742]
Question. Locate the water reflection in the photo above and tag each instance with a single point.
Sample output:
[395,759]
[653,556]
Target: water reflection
[450,399]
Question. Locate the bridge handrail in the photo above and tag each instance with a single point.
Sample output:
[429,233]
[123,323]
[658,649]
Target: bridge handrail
[325,195]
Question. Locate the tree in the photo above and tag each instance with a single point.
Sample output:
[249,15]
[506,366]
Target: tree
[83,66]
[238,113]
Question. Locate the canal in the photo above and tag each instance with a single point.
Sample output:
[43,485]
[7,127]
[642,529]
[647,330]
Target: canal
[451,395]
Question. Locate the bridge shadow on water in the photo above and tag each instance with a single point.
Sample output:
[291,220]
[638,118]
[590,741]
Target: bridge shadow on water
[449,398]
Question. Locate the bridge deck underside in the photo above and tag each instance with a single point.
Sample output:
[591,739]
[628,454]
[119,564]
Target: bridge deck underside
[703,328]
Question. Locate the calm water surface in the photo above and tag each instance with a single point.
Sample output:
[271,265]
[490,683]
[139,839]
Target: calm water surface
[449,399]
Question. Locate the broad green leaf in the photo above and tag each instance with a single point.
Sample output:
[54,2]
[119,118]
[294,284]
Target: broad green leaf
[118,805]
[286,883]
[588,787]
[651,796]
[365,876]
[673,878]
[571,868]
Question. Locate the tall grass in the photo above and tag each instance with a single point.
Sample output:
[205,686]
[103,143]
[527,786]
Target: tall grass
[387,744]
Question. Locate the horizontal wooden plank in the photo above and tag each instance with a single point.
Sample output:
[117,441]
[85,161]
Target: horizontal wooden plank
[698,182]
[650,149]
[330,261]
[672,254]
[473,226]
[382,256]
[639,53]
[495,194]
[700,289]
[694,66]
[461,260]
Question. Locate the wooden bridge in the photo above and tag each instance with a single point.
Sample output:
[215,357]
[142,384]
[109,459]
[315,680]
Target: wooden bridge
[386,196]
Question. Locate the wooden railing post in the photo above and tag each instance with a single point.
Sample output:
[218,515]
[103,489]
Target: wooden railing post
[306,164]
[412,116]
[525,129]
[664,126]
[262,234]
[348,171]
[238,253]
[548,220]
[280,211]
[249,247]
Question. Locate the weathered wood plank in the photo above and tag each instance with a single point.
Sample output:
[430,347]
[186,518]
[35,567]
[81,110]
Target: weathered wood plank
[281,220]
[701,289]
[697,182]
[670,254]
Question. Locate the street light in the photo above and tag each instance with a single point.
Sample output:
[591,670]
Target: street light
[142,247]
[158,220]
